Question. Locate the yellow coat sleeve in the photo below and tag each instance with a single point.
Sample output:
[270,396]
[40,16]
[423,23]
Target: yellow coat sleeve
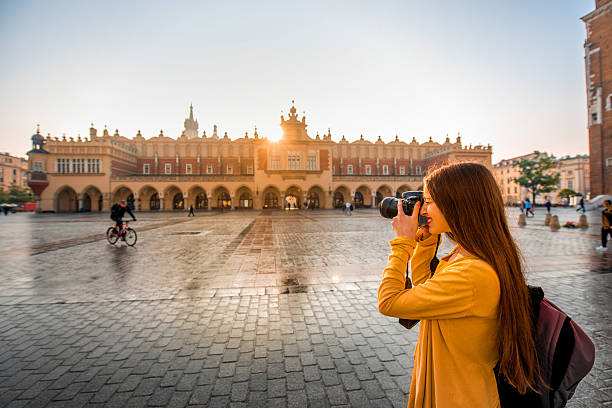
[423,254]
[448,294]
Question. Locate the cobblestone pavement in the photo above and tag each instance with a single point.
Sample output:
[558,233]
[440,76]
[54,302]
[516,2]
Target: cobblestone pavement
[242,309]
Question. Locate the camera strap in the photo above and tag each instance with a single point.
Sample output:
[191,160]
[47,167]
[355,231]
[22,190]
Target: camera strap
[433,264]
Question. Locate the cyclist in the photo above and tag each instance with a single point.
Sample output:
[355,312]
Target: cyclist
[118,210]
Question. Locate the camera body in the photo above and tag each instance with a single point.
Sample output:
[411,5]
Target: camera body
[388,206]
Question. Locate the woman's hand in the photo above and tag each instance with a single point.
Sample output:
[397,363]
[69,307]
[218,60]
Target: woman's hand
[423,233]
[406,225]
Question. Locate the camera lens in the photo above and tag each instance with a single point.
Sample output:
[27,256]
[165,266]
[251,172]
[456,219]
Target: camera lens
[388,207]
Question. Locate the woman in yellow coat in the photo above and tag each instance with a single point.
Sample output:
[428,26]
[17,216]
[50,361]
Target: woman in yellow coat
[474,309]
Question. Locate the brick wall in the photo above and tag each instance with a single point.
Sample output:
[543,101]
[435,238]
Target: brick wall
[324,155]
[600,76]
[119,168]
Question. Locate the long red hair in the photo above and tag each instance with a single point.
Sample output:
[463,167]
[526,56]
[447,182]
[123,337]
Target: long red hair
[470,200]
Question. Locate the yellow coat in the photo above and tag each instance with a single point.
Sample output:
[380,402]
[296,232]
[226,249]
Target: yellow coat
[458,341]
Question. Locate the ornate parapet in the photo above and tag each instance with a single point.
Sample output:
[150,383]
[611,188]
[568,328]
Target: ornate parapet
[152,178]
[364,178]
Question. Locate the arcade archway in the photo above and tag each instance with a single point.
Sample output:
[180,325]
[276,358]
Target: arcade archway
[341,196]
[221,198]
[271,198]
[148,198]
[198,198]
[245,198]
[66,200]
[382,192]
[363,197]
[124,194]
[315,197]
[92,199]
[293,198]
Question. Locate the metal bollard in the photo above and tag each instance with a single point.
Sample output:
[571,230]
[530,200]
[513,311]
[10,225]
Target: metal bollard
[554,223]
[522,220]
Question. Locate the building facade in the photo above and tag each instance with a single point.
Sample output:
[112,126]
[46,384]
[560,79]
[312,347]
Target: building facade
[598,67]
[573,174]
[215,172]
[13,171]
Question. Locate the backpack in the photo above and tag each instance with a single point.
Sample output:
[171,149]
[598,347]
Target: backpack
[566,355]
[115,211]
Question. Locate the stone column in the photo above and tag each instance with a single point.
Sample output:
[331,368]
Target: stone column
[161,201]
[209,202]
[137,202]
[186,202]
[106,201]
[373,200]
[232,195]
[80,203]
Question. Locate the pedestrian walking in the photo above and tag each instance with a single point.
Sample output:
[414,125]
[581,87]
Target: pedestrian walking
[474,309]
[347,210]
[548,204]
[581,205]
[191,212]
[529,208]
[522,206]
[606,225]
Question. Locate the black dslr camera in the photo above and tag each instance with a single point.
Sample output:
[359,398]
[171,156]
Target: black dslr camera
[388,206]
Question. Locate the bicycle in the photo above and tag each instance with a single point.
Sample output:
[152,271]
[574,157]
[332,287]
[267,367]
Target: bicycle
[127,234]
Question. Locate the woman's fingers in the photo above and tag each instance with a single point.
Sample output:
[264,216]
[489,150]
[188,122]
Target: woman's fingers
[400,209]
[416,211]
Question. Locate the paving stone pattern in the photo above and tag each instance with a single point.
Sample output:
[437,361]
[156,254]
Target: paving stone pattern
[247,309]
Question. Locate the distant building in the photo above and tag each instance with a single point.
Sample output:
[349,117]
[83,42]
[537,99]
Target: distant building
[212,172]
[598,65]
[505,172]
[13,171]
[573,174]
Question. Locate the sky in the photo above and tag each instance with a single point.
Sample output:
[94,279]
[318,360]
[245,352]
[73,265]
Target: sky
[505,73]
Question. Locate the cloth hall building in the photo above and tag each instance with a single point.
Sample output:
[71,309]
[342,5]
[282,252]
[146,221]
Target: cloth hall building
[214,172]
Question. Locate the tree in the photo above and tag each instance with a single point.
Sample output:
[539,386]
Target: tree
[567,193]
[20,195]
[536,173]
[4,197]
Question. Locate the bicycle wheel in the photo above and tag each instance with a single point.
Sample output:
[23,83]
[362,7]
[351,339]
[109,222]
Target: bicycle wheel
[111,235]
[130,237]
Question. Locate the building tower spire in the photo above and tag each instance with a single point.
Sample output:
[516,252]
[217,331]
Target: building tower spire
[191,125]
